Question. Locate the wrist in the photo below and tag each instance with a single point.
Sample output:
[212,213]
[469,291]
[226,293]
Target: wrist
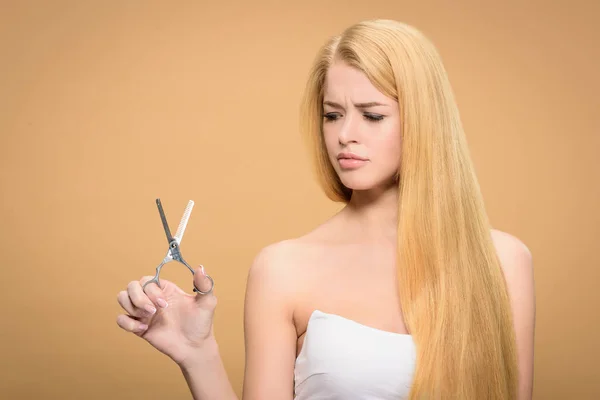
[201,355]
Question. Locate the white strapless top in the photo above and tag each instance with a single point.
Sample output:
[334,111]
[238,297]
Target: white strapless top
[343,359]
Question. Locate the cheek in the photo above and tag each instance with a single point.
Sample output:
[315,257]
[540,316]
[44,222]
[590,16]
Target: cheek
[389,158]
[330,140]
[390,148]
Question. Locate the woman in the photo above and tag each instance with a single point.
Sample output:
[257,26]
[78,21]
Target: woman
[405,293]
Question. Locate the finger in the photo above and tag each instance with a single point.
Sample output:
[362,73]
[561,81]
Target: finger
[154,292]
[130,325]
[201,281]
[138,298]
[127,305]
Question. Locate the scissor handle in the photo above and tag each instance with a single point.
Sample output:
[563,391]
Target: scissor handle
[156,276]
[182,261]
[196,290]
[212,285]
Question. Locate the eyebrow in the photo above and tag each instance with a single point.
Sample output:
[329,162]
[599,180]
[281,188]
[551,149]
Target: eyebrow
[357,105]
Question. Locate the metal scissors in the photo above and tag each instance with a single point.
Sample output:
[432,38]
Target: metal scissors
[174,253]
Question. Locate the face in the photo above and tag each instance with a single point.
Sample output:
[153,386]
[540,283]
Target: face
[361,127]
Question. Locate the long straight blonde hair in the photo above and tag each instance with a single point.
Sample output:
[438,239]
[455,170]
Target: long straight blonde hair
[451,286]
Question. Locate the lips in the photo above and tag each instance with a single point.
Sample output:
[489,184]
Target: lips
[351,156]
[351,161]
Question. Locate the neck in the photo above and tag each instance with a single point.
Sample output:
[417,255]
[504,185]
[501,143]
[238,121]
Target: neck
[374,214]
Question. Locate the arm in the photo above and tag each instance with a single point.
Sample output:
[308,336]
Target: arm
[270,334]
[517,265]
[207,377]
[270,338]
[204,371]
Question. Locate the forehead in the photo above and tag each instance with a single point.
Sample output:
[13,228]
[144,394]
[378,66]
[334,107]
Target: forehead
[343,80]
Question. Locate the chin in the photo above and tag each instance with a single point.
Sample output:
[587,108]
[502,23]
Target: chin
[362,182]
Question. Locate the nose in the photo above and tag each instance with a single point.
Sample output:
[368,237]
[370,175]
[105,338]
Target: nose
[348,132]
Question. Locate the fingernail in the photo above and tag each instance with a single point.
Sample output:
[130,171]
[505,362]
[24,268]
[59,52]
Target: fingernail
[142,327]
[162,303]
[202,270]
[150,309]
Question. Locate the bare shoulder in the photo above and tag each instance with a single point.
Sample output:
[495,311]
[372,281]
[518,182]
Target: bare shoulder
[269,280]
[278,261]
[269,259]
[517,264]
[269,330]
[515,257]
[507,239]
[281,260]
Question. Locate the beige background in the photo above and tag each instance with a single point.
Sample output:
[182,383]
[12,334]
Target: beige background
[106,105]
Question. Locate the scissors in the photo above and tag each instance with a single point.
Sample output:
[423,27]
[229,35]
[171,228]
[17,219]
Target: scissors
[173,253]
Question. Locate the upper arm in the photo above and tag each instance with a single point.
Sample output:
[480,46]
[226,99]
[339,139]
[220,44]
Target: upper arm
[517,265]
[270,335]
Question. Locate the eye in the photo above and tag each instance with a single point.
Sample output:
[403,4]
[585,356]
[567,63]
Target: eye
[331,116]
[373,117]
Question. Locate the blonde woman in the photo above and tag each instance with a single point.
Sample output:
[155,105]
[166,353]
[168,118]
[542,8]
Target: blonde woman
[407,293]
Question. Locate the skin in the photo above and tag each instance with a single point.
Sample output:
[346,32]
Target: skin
[345,266]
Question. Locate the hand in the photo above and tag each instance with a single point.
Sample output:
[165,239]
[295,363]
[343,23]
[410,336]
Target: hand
[174,322]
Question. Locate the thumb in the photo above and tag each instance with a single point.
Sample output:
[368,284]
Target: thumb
[202,281]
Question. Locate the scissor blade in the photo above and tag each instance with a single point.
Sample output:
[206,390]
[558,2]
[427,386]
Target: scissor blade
[164,221]
[184,221]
